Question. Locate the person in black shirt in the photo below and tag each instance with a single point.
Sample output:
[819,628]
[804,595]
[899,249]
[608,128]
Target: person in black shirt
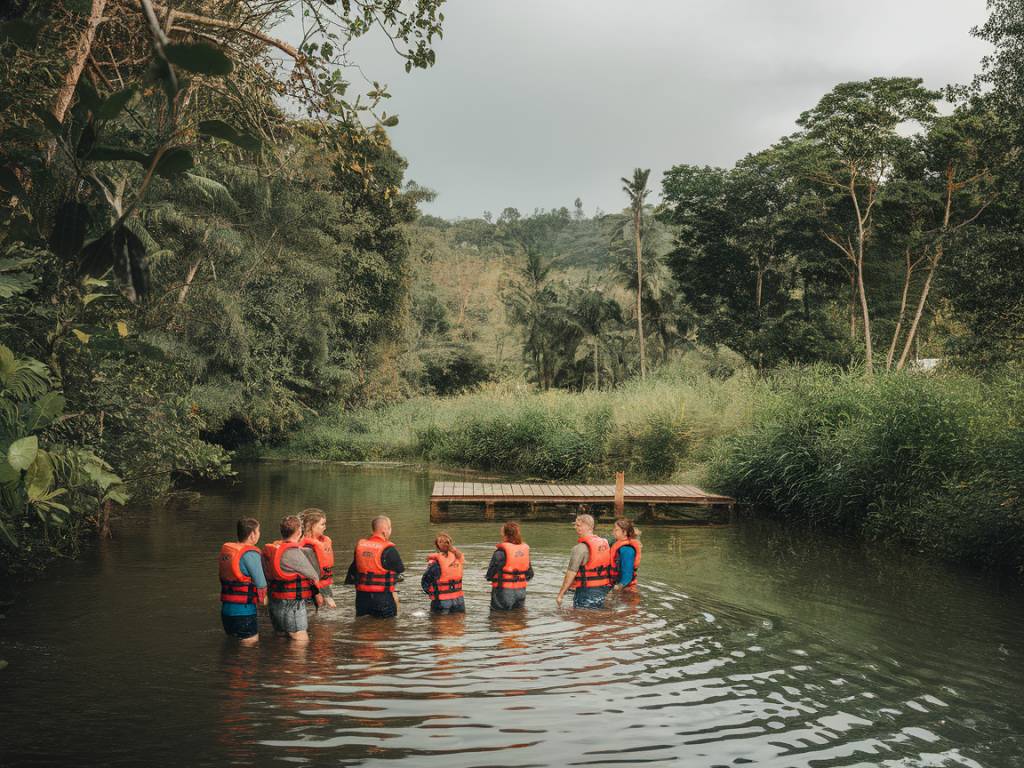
[375,569]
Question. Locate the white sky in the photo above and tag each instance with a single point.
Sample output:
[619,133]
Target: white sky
[535,102]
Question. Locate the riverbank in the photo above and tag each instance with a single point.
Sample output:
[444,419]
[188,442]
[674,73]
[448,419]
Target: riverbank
[932,463]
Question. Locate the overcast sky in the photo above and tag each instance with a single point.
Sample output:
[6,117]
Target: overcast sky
[535,102]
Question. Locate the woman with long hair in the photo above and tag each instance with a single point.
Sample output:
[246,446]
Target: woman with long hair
[442,580]
[509,569]
[315,539]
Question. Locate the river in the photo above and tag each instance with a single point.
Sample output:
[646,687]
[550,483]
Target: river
[748,645]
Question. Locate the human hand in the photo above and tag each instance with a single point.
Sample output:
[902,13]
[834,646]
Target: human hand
[558,599]
[319,600]
[331,603]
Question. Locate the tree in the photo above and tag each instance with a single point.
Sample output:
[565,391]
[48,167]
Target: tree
[852,144]
[636,190]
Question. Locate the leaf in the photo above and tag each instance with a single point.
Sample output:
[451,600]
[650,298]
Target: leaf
[45,410]
[23,452]
[82,336]
[122,328]
[8,474]
[86,141]
[69,229]
[390,122]
[115,103]
[221,130]
[39,477]
[201,58]
[20,32]
[102,153]
[174,161]
[89,298]
[87,94]
[50,123]
[117,493]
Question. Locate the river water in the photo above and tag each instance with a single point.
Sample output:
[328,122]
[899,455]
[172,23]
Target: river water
[747,646]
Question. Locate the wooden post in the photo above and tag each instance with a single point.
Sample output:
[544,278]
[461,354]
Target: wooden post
[620,493]
[435,512]
[488,510]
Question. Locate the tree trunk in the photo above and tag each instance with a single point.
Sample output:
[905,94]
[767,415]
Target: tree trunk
[597,370]
[639,291]
[903,311]
[77,56]
[869,366]
[912,333]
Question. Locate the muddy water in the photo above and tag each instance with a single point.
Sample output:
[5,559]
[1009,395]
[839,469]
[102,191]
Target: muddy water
[747,646]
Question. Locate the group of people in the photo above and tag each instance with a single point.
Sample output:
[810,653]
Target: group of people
[298,569]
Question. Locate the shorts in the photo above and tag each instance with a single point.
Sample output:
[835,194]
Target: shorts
[590,597]
[242,627]
[503,599]
[289,615]
[456,605]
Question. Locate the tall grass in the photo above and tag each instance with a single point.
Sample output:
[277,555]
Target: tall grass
[933,462]
[652,430]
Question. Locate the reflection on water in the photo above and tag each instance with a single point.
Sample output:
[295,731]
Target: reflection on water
[744,646]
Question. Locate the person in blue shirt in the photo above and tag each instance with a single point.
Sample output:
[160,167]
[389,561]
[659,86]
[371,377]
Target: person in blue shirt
[243,585]
[625,555]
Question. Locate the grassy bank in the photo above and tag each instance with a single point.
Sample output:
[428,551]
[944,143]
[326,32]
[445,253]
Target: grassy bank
[934,463]
[652,430]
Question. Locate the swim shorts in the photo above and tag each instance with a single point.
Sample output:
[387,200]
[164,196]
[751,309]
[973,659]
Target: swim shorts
[242,627]
[289,615]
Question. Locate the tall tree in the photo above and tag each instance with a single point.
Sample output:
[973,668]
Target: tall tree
[854,141]
[636,190]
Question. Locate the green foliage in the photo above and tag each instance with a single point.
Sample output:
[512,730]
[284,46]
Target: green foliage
[924,461]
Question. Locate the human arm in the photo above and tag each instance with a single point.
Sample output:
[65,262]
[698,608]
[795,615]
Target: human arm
[495,566]
[430,576]
[577,557]
[252,566]
[296,561]
[391,560]
[627,557]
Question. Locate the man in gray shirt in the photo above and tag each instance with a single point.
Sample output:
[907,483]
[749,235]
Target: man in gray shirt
[588,569]
[282,560]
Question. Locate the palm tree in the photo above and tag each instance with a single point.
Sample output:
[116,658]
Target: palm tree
[636,190]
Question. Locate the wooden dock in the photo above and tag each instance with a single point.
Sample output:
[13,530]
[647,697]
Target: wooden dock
[543,501]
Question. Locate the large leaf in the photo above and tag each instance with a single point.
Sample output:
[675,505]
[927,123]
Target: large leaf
[201,58]
[114,103]
[21,32]
[23,452]
[102,153]
[50,123]
[174,161]
[15,284]
[45,410]
[39,477]
[8,474]
[221,130]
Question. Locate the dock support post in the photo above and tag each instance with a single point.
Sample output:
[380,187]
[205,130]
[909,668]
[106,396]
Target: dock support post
[435,512]
[620,493]
[488,510]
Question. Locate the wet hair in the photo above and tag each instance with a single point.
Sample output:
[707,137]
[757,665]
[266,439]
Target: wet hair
[444,545]
[245,526]
[510,531]
[586,520]
[378,522]
[310,517]
[631,531]
[289,525]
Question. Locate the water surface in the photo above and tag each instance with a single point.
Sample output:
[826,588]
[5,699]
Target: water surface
[747,646]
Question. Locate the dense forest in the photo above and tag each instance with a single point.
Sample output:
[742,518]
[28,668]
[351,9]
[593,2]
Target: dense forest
[208,243]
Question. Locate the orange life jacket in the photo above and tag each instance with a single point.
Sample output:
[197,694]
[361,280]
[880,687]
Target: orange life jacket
[284,585]
[449,583]
[324,550]
[616,569]
[235,586]
[371,575]
[517,563]
[594,572]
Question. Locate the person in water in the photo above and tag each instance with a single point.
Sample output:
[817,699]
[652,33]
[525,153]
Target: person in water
[293,574]
[314,538]
[375,569]
[589,564]
[624,556]
[242,583]
[443,578]
[509,570]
